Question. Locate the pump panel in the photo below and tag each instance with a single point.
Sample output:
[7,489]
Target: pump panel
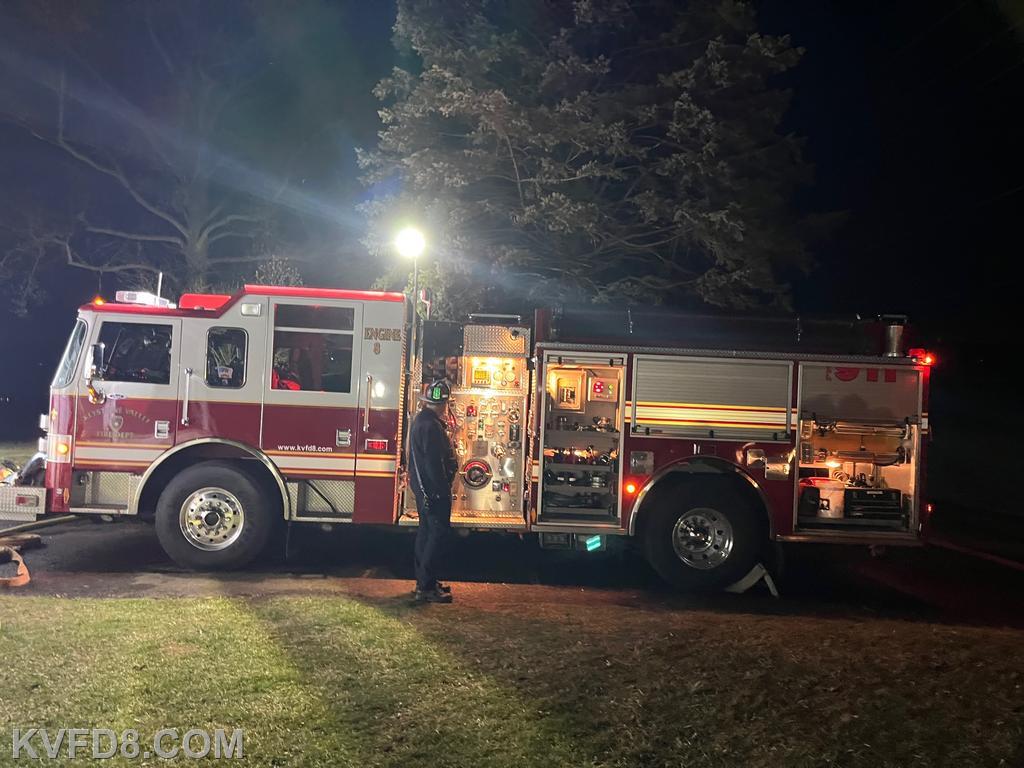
[488,411]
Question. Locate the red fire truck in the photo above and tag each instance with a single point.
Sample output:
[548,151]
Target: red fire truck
[704,438]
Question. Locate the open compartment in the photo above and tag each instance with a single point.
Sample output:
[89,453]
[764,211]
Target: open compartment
[581,439]
[486,365]
[858,449]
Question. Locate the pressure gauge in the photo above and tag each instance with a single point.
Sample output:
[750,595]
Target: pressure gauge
[476,473]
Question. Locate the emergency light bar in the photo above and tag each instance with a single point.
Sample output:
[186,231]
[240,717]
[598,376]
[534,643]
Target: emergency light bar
[144,298]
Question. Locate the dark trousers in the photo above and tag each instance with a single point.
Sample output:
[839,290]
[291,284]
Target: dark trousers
[431,538]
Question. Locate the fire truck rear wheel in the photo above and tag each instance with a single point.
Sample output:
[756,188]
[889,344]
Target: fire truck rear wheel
[702,536]
[214,516]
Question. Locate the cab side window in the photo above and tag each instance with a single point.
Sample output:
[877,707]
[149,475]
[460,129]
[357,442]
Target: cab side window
[313,348]
[225,357]
[138,352]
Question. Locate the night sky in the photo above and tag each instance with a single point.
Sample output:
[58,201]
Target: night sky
[907,114]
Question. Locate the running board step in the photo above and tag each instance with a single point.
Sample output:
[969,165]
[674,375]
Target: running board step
[495,523]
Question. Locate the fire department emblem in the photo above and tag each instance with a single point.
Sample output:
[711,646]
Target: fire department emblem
[116,422]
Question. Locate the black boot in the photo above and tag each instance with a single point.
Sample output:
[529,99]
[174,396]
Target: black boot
[433,596]
[444,589]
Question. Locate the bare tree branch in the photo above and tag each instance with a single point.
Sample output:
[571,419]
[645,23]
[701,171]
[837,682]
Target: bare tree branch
[252,258]
[65,244]
[208,230]
[137,236]
[229,233]
[113,171]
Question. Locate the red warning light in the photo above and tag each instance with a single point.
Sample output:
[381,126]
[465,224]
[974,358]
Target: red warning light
[98,301]
[630,488]
[922,356]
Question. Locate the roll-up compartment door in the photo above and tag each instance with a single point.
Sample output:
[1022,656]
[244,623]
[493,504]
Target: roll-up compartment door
[712,398]
[860,393]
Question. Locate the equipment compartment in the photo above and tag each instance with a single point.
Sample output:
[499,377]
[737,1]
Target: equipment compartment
[581,440]
[857,449]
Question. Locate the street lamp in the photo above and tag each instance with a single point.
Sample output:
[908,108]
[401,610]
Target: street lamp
[410,243]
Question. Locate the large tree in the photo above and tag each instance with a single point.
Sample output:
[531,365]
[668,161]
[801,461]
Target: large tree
[594,150]
[187,137]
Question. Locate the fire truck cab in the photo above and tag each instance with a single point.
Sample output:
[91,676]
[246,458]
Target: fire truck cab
[225,418]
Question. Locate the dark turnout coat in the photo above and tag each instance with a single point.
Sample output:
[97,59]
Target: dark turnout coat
[431,458]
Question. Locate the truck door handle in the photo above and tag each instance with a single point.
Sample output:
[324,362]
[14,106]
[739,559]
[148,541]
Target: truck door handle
[184,403]
[369,394]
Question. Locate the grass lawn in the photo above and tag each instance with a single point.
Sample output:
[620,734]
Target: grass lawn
[333,681]
[17,452]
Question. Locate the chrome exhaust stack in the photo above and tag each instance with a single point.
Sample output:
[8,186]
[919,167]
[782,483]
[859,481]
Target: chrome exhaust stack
[895,325]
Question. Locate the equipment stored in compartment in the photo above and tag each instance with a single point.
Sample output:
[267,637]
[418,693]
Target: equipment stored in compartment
[581,438]
[873,503]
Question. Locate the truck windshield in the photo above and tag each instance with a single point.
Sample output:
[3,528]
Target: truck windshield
[68,363]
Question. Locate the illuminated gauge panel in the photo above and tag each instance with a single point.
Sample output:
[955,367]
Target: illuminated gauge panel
[496,373]
[488,436]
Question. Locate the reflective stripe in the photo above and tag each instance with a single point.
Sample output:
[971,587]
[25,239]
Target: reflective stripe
[111,453]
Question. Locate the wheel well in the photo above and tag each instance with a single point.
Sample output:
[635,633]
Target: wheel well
[707,471]
[183,458]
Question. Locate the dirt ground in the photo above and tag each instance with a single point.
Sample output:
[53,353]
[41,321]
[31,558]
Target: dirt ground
[123,559]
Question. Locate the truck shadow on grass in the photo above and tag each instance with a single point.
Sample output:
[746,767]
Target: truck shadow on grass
[593,685]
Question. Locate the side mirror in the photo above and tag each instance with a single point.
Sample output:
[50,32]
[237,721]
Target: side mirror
[94,368]
[95,364]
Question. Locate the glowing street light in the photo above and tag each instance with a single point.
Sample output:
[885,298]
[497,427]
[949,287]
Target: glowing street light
[410,243]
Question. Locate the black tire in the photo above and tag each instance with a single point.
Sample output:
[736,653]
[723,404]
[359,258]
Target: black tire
[703,501]
[239,544]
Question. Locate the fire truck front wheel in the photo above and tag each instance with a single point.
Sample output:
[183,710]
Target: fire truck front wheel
[214,516]
[703,536]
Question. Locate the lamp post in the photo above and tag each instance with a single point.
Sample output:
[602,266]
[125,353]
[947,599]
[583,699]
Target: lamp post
[410,243]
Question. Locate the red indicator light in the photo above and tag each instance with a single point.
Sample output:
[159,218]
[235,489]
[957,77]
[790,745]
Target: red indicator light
[376,445]
[922,356]
[630,488]
[598,387]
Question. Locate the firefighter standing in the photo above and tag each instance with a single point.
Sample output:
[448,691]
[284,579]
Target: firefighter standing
[431,472]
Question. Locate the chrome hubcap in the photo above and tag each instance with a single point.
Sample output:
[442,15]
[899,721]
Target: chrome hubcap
[211,519]
[702,538]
